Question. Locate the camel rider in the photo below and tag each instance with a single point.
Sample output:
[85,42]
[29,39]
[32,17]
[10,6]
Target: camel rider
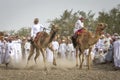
[79,25]
[36,28]
[78,29]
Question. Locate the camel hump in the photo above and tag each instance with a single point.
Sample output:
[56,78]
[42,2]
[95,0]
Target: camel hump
[41,36]
[81,31]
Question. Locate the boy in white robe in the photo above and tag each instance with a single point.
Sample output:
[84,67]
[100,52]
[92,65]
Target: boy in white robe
[62,49]
[49,55]
[70,51]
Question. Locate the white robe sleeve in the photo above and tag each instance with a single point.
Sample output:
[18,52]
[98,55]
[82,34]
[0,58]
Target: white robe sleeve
[32,32]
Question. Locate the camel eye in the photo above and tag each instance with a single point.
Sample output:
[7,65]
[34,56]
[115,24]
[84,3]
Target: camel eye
[100,25]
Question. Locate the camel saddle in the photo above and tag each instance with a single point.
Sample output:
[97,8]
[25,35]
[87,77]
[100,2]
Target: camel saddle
[78,33]
[41,36]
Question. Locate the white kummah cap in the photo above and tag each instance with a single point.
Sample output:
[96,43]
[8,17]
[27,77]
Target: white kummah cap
[63,40]
[118,37]
[28,38]
[5,37]
[103,36]
[116,34]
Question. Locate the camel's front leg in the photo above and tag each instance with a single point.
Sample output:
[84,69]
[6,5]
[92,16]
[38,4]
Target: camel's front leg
[81,57]
[37,54]
[44,58]
[31,51]
[77,56]
[89,58]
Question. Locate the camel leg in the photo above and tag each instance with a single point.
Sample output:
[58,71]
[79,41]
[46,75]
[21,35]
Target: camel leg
[44,59]
[77,56]
[82,59]
[31,52]
[37,54]
[6,65]
[89,58]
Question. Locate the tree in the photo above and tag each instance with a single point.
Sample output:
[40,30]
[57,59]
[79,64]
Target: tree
[112,18]
[68,18]
[23,31]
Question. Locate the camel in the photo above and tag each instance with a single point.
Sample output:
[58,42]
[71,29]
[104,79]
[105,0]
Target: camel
[41,42]
[85,41]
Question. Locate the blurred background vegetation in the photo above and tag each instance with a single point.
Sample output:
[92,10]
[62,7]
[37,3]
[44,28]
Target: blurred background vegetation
[67,20]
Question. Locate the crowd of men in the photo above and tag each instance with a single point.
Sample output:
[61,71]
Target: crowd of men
[107,49]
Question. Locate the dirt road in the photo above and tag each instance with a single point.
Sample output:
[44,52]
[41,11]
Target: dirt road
[63,71]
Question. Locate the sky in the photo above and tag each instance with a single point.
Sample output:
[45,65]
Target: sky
[15,14]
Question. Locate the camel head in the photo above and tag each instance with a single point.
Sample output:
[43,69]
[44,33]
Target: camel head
[101,27]
[54,28]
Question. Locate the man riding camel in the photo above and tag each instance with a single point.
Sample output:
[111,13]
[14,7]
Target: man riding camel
[35,29]
[78,29]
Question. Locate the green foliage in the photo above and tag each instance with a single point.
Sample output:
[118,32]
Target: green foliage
[67,20]
[23,32]
[112,18]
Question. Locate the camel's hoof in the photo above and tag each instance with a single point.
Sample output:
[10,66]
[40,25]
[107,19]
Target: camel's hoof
[35,61]
[80,67]
[46,69]
[89,68]
[76,65]
[54,63]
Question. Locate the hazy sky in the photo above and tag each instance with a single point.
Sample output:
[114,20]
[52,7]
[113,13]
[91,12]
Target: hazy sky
[15,14]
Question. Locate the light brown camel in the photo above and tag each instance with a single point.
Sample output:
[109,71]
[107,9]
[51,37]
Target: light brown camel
[85,41]
[41,42]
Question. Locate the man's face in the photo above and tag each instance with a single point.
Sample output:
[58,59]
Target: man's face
[81,19]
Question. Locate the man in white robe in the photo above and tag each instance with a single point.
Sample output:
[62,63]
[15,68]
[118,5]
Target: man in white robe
[4,49]
[36,28]
[18,50]
[62,49]
[0,52]
[55,46]
[116,46]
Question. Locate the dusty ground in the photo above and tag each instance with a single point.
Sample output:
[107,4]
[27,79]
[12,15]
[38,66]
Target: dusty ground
[65,70]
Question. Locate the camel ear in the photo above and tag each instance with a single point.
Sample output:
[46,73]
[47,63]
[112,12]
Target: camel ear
[106,25]
[100,24]
[56,27]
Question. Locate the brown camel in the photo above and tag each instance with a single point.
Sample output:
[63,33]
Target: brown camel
[85,41]
[41,42]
